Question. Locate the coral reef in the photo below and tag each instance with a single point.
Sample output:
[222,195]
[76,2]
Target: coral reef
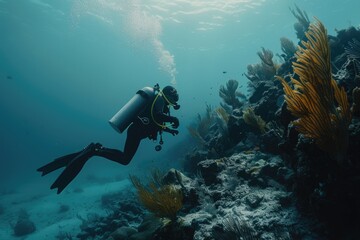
[211,131]
[234,228]
[273,182]
[253,187]
[350,69]
[322,187]
[124,212]
[319,184]
[202,128]
[264,91]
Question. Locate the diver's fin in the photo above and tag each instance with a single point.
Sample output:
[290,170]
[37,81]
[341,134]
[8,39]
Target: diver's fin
[73,168]
[57,163]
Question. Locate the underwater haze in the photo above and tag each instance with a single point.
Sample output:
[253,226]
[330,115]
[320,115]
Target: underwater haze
[67,66]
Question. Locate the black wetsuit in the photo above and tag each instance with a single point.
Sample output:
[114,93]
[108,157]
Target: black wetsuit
[142,127]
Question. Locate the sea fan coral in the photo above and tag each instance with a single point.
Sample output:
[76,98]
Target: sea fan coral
[202,127]
[321,107]
[303,22]
[265,70]
[162,200]
[222,119]
[288,48]
[230,94]
[254,120]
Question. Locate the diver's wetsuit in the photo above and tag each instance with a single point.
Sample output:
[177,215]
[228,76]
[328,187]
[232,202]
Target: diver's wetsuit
[135,134]
[141,127]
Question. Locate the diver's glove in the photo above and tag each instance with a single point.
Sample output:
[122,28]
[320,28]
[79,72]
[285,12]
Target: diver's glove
[171,131]
[174,122]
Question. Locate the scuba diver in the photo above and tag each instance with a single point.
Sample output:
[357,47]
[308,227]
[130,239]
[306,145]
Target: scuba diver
[145,116]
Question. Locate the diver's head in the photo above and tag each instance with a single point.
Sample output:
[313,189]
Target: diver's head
[171,95]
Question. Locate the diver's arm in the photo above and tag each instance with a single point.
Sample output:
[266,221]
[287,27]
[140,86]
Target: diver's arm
[160,116]
[171,131]
[166,118]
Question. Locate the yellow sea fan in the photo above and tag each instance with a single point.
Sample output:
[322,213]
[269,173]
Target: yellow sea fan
[321,107]
[162,201]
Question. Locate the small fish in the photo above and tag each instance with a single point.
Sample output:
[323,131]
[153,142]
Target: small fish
[9,77]
[224,72]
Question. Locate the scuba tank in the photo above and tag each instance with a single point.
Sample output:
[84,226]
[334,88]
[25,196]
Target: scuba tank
[122,119]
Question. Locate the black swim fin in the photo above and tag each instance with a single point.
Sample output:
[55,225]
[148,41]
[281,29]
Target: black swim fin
[73,168]
[57,163]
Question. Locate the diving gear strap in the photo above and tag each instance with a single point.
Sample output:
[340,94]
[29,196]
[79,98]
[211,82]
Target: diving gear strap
[160,93]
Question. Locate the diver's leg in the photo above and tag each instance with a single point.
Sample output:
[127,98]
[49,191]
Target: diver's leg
[57,163]
[74,167]
[132,143]
[133,139]
[111,154]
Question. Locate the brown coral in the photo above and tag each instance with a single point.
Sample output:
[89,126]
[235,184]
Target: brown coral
[254,120]
[321,107]
[160,199]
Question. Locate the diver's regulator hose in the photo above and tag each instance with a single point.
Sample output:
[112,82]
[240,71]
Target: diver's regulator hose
[163,126]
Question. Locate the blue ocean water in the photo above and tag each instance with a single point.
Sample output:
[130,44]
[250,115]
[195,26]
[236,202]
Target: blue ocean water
[67,66]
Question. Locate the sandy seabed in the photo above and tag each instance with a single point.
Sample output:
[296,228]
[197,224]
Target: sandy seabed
[45,209]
